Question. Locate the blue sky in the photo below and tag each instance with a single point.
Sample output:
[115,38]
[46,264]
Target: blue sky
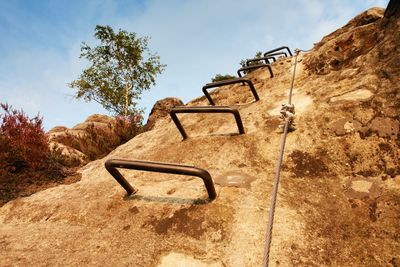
[40,43]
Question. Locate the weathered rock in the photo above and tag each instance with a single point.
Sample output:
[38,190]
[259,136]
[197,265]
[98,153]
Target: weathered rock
[339,200]
[97,120]
[345,126]
[340,48]
[85,141]
[57,129]
[385,127]
[360,94]
[393,9]
[69,156]
[160,110]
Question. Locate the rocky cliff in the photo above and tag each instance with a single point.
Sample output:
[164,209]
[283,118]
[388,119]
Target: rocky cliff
[78,145]
[99,134]
[339,200]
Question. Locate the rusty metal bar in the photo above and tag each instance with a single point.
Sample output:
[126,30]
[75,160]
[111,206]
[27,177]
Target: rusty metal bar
[253,67]
[205,109]
[277,49]
[276,54]
[112,164]
[227,82]
[266,60]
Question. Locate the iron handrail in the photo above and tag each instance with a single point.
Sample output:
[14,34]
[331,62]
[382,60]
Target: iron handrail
[227,82]
[112,164]
[205,109]
[253,67]
[277,49]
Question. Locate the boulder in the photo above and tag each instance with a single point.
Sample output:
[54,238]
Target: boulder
[338,50]
[160,110]
[85,141]
[69,156]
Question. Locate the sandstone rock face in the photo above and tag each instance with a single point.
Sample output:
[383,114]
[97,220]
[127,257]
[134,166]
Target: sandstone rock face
[339,49]
[84,142]
[160,110]
[97,120]
[339,196]
[393,9]
[72,156]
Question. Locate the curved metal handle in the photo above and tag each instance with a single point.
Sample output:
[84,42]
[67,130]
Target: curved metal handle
[277,49]
[204,109]
[253,67]
[266,60]
[112,164]
[227,82]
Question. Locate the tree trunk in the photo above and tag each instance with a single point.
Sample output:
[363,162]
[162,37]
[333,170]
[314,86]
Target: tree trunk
[126,99]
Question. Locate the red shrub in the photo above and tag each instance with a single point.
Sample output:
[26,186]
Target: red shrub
[126,127]
[23,142]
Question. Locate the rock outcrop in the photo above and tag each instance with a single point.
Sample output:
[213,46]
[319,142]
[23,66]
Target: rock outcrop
[339,49]
[98,134]
[89,140]
[339,197]
[160,110]
[393,9]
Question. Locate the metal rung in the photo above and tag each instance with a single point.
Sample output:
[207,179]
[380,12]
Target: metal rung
[112,164]
[227,82]
[273,55]
[277,49]
[266,60]
[253,67]
[204,109]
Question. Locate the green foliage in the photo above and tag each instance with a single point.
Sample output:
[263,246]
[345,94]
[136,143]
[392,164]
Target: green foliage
[259,54]
[220,77]
[121,68]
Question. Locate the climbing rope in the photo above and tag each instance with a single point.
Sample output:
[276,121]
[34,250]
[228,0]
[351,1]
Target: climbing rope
[287,114]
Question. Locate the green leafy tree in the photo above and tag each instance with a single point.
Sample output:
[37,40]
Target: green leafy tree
[220,77]
[259,54]
[122,66]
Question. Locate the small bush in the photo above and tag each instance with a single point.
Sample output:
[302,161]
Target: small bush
[24,147]
[259,54]
[126,127]
[24,144]
[220,77]
[26,163]
[99,141]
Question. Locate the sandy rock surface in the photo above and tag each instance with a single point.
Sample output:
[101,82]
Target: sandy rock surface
[338,201]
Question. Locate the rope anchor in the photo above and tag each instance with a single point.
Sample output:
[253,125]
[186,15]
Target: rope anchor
[287,115]
[287,110]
